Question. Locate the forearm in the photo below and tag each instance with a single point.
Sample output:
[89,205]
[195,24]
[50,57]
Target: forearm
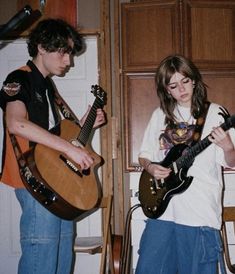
[230,157]
[145,163]
[32,132]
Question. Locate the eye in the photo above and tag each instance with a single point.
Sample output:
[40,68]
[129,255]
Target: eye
[173,86]
[186,80]
[61,51]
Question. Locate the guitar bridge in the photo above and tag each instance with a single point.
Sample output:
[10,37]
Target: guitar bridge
[71,166]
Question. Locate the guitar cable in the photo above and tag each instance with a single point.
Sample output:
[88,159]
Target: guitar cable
[126,250]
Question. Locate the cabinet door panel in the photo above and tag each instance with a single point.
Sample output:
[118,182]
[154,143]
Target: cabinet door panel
[149,33]
[209,33]
[221,90]
[140,100]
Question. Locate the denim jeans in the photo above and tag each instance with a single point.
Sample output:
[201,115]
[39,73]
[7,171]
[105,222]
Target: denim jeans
[46,240]
[169,248]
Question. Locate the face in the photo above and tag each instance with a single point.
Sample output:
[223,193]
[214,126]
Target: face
[181,89]
[53,63]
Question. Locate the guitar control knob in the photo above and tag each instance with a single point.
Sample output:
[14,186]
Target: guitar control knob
[153,192]
[154,209]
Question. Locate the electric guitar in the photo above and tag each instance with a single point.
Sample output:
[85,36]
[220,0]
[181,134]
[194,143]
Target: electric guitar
[54,180]
[155,195]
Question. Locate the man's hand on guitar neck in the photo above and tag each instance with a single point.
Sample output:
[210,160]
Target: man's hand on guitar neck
[100,117]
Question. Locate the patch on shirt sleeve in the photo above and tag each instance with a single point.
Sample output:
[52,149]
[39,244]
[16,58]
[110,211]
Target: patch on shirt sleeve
[11,89]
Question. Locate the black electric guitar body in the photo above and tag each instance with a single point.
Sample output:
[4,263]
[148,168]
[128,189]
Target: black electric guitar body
[155,195]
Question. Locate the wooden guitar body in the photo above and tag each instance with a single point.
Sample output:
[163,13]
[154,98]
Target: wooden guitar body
[116,252]
[73,191]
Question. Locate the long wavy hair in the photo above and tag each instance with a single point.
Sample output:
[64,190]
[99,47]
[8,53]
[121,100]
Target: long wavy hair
[167,68]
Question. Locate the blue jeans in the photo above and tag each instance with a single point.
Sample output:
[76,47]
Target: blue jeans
[46,240]
[169,248]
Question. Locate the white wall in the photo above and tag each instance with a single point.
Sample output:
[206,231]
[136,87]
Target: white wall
[75,88]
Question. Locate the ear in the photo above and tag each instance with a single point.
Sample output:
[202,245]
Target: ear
[41,50]
[168,91]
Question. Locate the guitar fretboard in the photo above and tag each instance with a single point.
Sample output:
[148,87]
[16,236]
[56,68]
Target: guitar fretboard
[186,160]
[89,123]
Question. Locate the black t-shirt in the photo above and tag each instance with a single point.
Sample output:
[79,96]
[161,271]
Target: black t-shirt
[29,86]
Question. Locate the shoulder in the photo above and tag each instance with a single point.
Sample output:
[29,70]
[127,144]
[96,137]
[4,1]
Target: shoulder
[158,114]
[157,119]
[217,110]
[17,78]
[215,106]
[19,75]
[15,87]
[216,115]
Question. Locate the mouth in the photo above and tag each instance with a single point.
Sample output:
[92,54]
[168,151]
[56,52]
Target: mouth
[184,96]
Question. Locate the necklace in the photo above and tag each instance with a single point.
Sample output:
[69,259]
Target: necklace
[185,121]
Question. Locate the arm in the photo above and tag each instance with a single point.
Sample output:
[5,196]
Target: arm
[156,170]
[17,123]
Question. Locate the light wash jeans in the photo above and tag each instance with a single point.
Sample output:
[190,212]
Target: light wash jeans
[46,240]
[169,248]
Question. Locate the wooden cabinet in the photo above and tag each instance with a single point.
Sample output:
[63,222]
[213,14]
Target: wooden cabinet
[208,33]
[149,33]
[202,30]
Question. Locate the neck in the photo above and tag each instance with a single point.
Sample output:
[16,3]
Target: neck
[40,66]
[182,117]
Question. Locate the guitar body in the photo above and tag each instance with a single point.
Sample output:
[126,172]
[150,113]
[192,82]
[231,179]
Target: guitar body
[116,252]
[72,192]
[155,195]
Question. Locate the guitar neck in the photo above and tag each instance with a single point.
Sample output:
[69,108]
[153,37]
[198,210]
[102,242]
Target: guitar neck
[187,159]
[89,123]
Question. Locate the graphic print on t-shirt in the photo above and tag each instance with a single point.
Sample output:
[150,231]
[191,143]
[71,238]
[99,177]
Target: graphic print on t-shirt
[178,133]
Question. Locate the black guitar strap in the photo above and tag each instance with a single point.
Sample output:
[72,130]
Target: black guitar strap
[65,109]
[200,124]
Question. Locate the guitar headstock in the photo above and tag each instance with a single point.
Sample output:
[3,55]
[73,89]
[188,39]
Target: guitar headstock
[100,94]
[231,121]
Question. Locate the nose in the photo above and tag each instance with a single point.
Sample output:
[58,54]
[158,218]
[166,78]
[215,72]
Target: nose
[66,59]
[181,86]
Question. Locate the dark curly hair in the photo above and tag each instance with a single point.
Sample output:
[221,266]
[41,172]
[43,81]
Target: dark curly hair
[167,68]
[52,35]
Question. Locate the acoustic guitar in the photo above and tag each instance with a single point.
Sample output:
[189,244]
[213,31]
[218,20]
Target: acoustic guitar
[155,195]
[54,180]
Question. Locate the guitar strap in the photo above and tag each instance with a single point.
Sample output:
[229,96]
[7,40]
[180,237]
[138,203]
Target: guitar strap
[65,109]
[200,124]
